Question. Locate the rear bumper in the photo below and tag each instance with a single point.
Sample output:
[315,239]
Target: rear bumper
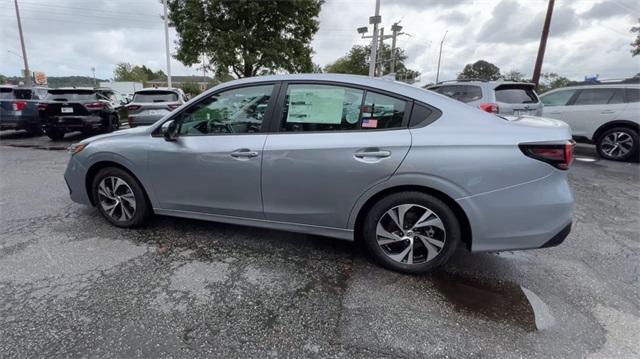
[531,215]
[73,122]
[74,176]
[18,122]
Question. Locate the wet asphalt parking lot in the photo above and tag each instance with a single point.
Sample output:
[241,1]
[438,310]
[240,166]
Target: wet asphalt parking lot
[72,285]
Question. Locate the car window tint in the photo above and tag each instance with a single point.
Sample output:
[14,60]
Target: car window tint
[321,108]
[594,96]
[380,111]
[633,95]
[239,110]
[618,97]
[559,98]
[71,95]
[6,93]
[463,93]
[22,94]
[515,94]
[158,96]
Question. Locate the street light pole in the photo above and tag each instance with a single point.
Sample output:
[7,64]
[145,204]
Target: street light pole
[543,44]
[395,29]
[95,84]
[27,72]
[440,56]
[380,70]
[166,42]
[375,20]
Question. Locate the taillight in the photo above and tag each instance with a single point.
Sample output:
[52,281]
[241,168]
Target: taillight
[94,106]
[42,106]
[173,106]
[557,155]
[489,107]
[19,105]
[133,107]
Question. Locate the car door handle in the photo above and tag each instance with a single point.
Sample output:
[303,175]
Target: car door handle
[244,153]
[553,113]
[373,153]
[607,112]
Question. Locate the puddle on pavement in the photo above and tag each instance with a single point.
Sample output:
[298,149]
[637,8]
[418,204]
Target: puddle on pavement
[497,301]
[39,147]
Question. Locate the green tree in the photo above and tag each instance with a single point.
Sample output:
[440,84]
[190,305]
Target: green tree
[191,88]
[635,45]
[551,80]
[481,70]
[246,37]
[514,75]
[124,71]
[357,62]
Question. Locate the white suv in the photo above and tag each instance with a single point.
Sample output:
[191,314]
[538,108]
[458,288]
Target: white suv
[605,114]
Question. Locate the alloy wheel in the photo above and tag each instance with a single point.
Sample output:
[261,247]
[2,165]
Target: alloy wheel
[617,144]
[410,234]
[116,198]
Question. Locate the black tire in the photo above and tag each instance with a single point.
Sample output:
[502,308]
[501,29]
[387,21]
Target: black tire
[142,209]
[55,134]
[115,122]
[107,124]
[35,131]
[612,153]
[440,209]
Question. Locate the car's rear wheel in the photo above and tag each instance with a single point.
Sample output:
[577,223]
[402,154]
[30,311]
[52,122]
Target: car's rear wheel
[120,198]
[34,131]
[55,134]
[618,144]
[411,232]
[115,122]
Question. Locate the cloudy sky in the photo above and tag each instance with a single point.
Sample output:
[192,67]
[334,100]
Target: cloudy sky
[68,37]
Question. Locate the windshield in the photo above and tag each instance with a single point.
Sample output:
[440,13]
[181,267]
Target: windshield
[71,95]
[155,96]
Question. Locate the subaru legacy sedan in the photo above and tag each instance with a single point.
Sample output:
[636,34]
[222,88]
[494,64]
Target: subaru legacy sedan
[411,173]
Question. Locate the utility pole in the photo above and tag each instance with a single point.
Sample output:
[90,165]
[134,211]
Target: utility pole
[95,84]
[166,42]
[440,56]
[27,72]
[395,29]
[375,20]
[380,70]
[543,44]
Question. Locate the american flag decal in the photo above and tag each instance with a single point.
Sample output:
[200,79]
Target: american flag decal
[369,123]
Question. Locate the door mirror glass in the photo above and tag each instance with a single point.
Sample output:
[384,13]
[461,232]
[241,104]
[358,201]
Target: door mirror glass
[170,130]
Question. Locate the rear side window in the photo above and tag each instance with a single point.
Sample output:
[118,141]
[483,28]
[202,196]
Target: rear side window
[71,95]
[594,96]
[156,96]
[311,107]
[515,94]
[559,98]
[633,95]
[22,94]
[463,93]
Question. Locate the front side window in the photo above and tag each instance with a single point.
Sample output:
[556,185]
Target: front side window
[559,98]
[594,96]
[462,93]
[335,108]
[239,110]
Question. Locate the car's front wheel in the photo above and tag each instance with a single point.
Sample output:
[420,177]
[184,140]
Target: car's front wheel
[120,198]
[411,232]
[618,144]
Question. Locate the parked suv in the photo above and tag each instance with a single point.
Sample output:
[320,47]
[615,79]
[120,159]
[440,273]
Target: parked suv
[409,172]
[19,108]
[151,104]
[79,109]
[605,114]
[502,97]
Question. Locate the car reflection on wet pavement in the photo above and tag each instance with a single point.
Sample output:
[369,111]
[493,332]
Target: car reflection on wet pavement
[72,285]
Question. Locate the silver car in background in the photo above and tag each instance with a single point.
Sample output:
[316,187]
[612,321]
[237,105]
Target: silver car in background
[409,172]
[151,104]
[499,97]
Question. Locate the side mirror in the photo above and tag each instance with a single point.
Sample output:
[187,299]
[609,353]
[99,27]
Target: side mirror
[170,130]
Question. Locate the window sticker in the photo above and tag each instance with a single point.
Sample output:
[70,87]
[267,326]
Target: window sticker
[315,105]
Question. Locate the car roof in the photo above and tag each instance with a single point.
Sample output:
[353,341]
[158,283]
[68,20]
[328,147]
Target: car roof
[151,89]
[597,86]
[491,84]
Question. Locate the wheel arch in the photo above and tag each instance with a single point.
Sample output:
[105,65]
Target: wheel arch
[465,225]
[617,123]
[96,167]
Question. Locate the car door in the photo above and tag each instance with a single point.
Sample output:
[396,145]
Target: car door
[592,108]
[331,144]
[214,165]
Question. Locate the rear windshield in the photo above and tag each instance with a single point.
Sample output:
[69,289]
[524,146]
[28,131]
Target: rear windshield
[515,94]
[71,95]
[155,96]
[463,93]
[7,93]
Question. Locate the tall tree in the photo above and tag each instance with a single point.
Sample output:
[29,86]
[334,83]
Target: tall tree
[124,71]
[357,62]
[246,37]
[481,70]
[514,75]
[635,46]
[551,80]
